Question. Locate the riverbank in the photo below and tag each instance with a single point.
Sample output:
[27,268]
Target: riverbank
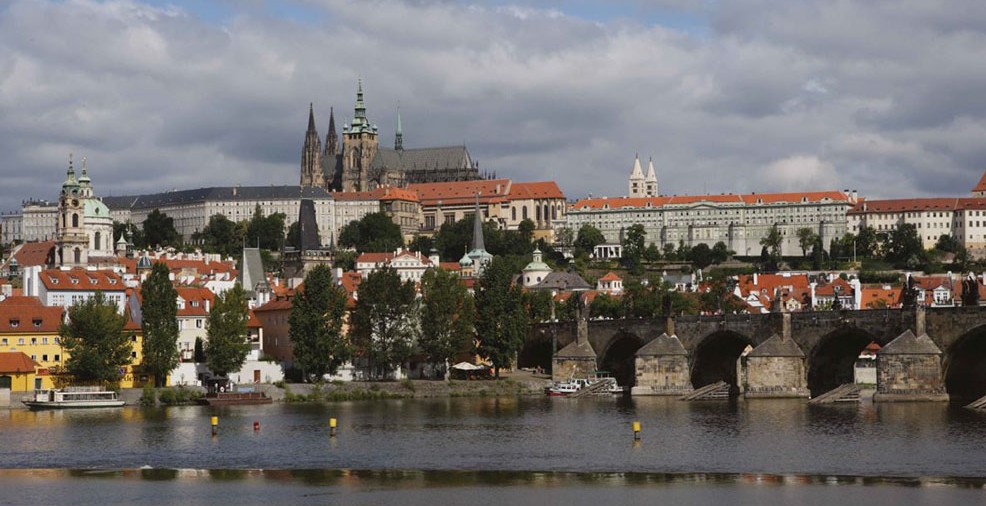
[516,383]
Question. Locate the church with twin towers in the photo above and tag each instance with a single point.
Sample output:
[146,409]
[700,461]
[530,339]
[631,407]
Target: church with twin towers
[355,161]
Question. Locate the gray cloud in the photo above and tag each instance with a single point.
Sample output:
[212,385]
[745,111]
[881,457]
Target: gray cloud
[879,96]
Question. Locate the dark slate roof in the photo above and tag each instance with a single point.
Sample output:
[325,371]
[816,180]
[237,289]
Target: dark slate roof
[777,347]
[909,344]
[252,270]
[449,157]
[662,346]
[577,349]
[228,193]
[563,281]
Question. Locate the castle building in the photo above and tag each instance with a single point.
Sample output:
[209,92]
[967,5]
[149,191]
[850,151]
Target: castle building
[360,163]
[84,227]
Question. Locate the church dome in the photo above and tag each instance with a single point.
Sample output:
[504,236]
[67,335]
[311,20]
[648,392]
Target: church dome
[144,262]
[465,261]
[96,209]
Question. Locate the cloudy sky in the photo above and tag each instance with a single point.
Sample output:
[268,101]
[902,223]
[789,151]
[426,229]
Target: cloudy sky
[888,97]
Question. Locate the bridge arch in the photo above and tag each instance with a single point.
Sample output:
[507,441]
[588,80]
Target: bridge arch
[964,366]
[714,358]
[619,356]
[831,362]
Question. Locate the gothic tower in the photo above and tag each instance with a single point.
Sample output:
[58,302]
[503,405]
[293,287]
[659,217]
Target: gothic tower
[650,182]
[359,147]
[637,179]
[399,135]
[332,158]
[311,154]
[73,242]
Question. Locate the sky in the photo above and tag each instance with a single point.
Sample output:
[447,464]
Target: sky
[885,97]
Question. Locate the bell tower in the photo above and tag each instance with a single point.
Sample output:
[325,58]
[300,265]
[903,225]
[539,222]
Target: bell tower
[359,147]
[73,242]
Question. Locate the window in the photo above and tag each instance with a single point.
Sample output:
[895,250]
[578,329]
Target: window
[198,323]
[3,341]
[44,358]
[133,354]
[44,340]
[37,323]
[20,341]
[58,340]
[14,322]
[58,358]
[34,340]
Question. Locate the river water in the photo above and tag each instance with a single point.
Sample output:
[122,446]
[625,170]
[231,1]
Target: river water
[521,450]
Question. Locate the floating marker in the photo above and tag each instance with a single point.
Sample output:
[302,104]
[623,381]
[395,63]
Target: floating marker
[636,430]
[332,427]
[256,426]
[215,425]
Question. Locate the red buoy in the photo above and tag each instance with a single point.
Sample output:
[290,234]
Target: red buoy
[256,425]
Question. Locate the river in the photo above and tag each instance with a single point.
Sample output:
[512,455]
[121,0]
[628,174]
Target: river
[745,452]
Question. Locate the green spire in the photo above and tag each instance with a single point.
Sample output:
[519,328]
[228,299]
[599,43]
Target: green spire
[399,136]
[70,181]
[359,114]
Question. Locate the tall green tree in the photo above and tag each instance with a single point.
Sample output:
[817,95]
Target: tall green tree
[501,321]
[721,252]
[867,243]
[159,309]
[904,246]
[375,232]
[95,342]
[538,304]
[564,236]
[265,232]
[607,306]
[227,345]
[633,248]
[317,315]
[385,321]
[221,235]
[587,239]
[700,255]
[159,230]
[806,239]
[447,316]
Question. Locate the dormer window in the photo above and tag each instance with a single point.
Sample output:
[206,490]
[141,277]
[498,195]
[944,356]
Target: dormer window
[37,322]
[75,281]
[54,281]
[195,303]
[15,322]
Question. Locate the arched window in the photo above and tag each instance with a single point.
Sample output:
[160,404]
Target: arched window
[75,220]
[554,212]
[98,238]
[537,212]
[524,212]
[546,212]
[513,214]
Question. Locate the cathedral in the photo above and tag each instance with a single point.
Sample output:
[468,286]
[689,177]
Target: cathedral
[359,163]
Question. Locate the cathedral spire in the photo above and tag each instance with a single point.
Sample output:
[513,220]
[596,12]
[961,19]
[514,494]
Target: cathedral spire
[311,117]
[311,153]
[359,111]
[399,136]
[332,139]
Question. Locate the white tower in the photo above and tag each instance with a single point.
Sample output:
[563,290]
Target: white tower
[650,182]
[637,179]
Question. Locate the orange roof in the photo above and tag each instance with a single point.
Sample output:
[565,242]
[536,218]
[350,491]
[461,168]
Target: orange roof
[21,301]
[391,193]
[80,279]
[274,305]
[871,294]
[929,204]
[462,192]
[374,258]
[738,199]
[22,316]
[450,266]
[254,322]
[33,253]
[535,190]
[981,186]
[845,289]
[16,362]
[195,300]
[174,264]
[771,282]
[610,276]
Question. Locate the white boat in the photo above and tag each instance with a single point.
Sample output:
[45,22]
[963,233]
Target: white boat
[564,388]
[74,397]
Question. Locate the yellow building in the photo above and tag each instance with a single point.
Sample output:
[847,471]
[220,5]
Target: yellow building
[28,327]
[17,372]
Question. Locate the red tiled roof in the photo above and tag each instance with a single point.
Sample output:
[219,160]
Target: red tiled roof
[929,204]
[174,265]
[254,322]
[275,305]
[981,186]
[462,192]
[535,190]
[677,200]
[22,316]
[610,276]
[79,279]
[198,296]
[391,193]
[20,300]
[450,266]
[829,288]
[16,362]
[33,254]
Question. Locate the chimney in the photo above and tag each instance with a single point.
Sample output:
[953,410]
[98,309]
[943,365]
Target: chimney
[207,305]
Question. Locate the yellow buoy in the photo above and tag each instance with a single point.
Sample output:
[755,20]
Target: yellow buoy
[332,426]
[636,429]
[215,425]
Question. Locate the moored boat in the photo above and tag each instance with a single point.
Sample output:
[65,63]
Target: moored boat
[74,398]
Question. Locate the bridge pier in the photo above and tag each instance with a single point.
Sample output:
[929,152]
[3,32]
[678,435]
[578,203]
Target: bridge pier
[909,368]
[661,368]
[775,369]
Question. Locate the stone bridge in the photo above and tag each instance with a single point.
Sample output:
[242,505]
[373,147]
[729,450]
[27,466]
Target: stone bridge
[830,340]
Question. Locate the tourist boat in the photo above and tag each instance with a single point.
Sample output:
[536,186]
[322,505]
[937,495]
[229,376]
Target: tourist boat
[73,398]
[564,388]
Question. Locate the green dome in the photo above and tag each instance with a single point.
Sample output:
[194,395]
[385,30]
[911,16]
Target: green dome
[96,209]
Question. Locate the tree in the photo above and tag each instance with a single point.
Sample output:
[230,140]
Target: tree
[199,351]
[421,243]
[721,253]
[606,306]
[385,320]
[221,236]
[447,316]
[375,232]
[806,239]
[317,315]
[701,255]
[587,239]
[159,308]
[904,246]
[226,332]
[948,244]
[772,241]
[501,322]
[564,237]
[95,342]
[344,259]
[294,235]
[867,243]
[538,304]
[129,231]
[159,230]
[633,248]
[652,253]
[265,232]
